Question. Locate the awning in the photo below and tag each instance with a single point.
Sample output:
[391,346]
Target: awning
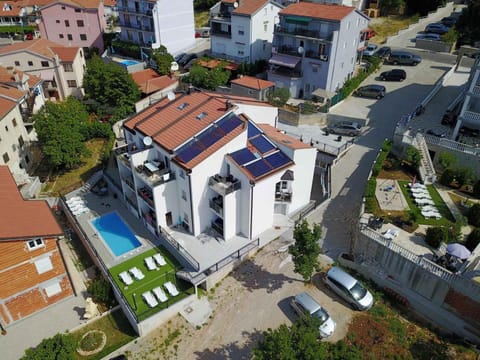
[297,20]
[47,75]
[284,60]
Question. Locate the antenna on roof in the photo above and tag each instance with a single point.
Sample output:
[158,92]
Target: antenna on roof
[174,66]
[171,95]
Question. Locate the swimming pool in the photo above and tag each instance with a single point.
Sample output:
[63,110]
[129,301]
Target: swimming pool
[129,62]
[116,234]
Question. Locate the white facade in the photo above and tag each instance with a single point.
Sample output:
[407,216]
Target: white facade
[240,36]
[359,4]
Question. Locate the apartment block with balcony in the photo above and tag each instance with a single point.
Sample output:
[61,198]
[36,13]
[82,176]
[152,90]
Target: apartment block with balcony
[242,30]
[154,23]
[209,180]
[315,46]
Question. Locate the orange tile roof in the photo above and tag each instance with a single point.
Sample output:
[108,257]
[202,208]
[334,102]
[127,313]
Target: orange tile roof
[42,47]
[36,2]
[13,8]
[84,4]
[9,78]
[280,138]
[11,92]
[253,83]
[213,63]
[110,2]
[149,81]
[249,7]
[6,106]
[318,11]
[23,219]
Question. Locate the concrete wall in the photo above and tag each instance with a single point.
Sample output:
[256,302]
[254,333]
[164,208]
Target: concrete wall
[437,46]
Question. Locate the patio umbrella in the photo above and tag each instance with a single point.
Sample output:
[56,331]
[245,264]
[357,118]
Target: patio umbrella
[458,250]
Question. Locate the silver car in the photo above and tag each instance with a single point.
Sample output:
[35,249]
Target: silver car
[305,305]
[345,128]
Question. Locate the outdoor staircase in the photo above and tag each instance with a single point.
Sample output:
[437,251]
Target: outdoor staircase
[92,181]
[426,170]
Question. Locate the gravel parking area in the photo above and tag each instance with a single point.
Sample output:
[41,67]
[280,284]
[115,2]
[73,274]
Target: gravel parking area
[249,301]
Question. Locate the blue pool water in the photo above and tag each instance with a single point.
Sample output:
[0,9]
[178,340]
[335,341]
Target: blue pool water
[129,62]
[118,237]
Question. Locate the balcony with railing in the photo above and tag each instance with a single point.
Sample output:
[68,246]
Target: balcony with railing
[302,32]
[129,181]
[147,196]
[216,204]
[283,196]
[150,218]
[154,173]
[132,200]
[136,11]
[471,116]
[286,72]
[136,26]
[224,185]
[217,225]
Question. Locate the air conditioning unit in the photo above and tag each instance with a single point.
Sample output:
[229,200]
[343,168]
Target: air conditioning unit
[324,57]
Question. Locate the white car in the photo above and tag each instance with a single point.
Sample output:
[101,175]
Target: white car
[370,49]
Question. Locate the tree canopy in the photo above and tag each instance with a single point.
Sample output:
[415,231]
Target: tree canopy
[207,79]
[162,59]
[468,26]
[110,89]
[305,250]
[278,97]
[59,347]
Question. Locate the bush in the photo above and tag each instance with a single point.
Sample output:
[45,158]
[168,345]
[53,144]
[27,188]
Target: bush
[476,189]
[101,291]
[447,177]
[126,48]
[351,84]
[473,215]
[308,107]
[59,347]
[473,239]
[435,236]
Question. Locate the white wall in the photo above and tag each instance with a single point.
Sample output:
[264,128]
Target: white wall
[263,204]
[261,38]
[259,114]
[303,174]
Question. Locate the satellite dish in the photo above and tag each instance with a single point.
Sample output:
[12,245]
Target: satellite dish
[174,66]
[147,141]
[235,4]
[300,50]
[171,95]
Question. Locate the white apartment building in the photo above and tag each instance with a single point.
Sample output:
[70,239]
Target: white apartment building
[242,30]
[202,163]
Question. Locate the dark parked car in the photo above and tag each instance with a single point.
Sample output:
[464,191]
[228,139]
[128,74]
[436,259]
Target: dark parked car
[186,59]
[383,52]
[437,133]
[393,75]
[437,28]
[448,21]
[464,130]
[372,91]
[427,36]
[403,58]
[179,57]
[375,223]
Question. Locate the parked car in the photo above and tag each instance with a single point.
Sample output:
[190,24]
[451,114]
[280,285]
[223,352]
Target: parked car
[305,305]
[465,130]
[437,133]
[345,128]
[437,28]
[376,223]
[427,36]
[372,91]
[448,21]
[179,57]
[186,59]
[403,58]
[383,52]
[370,49]
[393,75]
[369,33]
[348,288]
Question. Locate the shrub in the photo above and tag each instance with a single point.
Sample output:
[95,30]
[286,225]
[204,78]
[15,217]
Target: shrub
[60,346]
[435,236]
[473,215]
[308,107]
[447,177]
[371,186]
[473,239]
[476,189]
[463,176]
[101,291]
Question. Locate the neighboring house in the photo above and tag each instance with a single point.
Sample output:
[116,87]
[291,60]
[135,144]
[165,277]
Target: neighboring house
[252,87]
[154,23]
[12,13]
[359,4]
[79,23]
[61,68]
[111,11]
[315,47]
[153,87]
[200,163]
[242,31]
[32,272]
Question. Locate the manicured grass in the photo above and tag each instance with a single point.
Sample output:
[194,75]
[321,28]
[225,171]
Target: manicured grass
[115,326]
[201,19]
[447,217]
[133,293]
[390,26]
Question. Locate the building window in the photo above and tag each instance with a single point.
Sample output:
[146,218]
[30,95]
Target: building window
[80,23]
[61,36]
[72,83]
[67,23]
[81,54]
[241,52]
[69,37]
[27,159]
[17,63]
[265,27]
[241,30]
[184,195]
[182,174]
[21,142]
[53,289]
[68,67]
[344,44]
[30,63]
[185,218]
[14,122]
[315,69]
[6,128]
[57,21]
[251,92]
[83,37]
[6,158]
[78,10]
[43,265]
[63,7]
[45,64]
[35,243]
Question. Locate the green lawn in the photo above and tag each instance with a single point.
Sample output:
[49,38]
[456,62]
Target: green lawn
[133,293]
[447,217]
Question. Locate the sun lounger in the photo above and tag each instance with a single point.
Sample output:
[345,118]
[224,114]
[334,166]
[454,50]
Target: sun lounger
[137,273]
[431,214]
[73,199]
[424,202]
[421,196]
[127,280]
[150,263]
[417,186]
[429,208]
[390,234]
[149,299]
[419,191]
[160,294]
[80,211]
[172,290]
[159,259]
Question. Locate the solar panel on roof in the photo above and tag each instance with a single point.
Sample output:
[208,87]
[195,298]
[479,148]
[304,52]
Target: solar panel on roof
[210,136]
[243,156]
[189,151]
[278,159]
[229,124]
[258,168]
[252,130]
[262,144]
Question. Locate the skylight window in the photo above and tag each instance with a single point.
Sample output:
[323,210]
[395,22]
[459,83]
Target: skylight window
[202,115]
[183,106]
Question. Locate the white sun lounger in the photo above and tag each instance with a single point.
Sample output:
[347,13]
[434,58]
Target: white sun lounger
[421,196]
[80,211]
[127,280]
[149,299]
[171,288]
[419,191]
[390,234]
[160,294]
[137,273]
[159,259]
[431,214]
[75,206]
[150,263]
[73,199]
[417,186]
[429,208]
[424,202]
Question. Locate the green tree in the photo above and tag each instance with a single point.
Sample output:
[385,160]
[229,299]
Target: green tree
[386,6]
[163,60]
[473,215]
[473,239]
[279,97]
[464,176]
[59,347]
[448,176]
[446,160]
[476,189]
[59,129]
[413,156]
[468,26]
[305,250]
[101,291]
[110,88]
[207,79]
[435,236]
[422,7]
[450,37]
